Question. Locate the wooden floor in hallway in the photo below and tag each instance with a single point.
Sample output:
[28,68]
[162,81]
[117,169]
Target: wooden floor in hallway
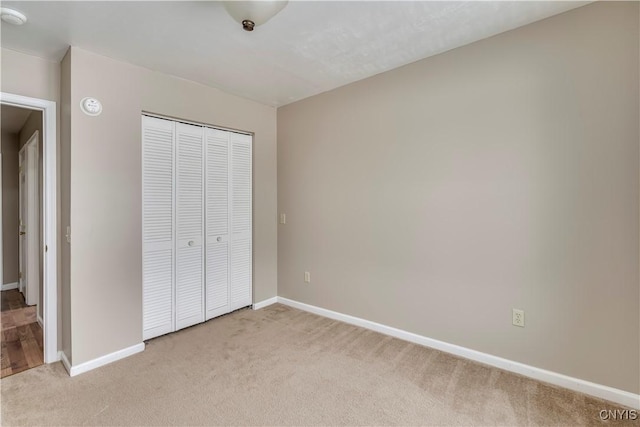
[21,338]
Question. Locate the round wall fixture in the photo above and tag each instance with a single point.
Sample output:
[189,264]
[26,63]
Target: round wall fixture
[12,16]
[91,106]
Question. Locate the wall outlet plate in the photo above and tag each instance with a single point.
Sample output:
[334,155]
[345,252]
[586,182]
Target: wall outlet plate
[518,317]
[307,277]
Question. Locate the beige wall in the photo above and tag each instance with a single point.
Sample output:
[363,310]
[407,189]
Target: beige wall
[106,253]
[28,75]
[437,197]
[34,123]
[10,207]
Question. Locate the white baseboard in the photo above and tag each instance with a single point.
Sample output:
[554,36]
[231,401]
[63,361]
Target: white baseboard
[263,304]
[603,392]
[39,320]
[9,286]
[74,370]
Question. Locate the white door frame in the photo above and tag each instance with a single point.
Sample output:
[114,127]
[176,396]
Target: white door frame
[50,250]
[22,246]
[30,220]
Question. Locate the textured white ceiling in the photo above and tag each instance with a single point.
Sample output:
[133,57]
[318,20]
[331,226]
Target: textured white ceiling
[309,48]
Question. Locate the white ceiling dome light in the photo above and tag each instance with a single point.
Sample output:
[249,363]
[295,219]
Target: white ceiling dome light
[253,13]
[12,16]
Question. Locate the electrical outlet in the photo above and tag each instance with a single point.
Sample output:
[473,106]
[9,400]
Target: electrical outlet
[307,277]
[283,218]
[518,317]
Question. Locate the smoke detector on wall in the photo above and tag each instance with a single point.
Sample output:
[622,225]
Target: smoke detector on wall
[91,106]
[12,16]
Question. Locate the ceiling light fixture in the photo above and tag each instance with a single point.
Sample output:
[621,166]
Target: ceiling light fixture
[253,13]
[12,16]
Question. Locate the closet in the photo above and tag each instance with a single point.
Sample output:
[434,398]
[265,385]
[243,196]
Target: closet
[197,224]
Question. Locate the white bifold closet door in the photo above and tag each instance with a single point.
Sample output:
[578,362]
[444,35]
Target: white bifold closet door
[197,224]
[158,227]
[241,220]
[217,217]
[189,225]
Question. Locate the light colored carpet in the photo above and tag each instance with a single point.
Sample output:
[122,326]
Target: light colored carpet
[282,366]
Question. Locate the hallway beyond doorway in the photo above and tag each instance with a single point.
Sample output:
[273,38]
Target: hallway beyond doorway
[21,338]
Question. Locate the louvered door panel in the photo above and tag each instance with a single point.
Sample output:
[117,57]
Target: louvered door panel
[241,179]
[217,279]
[189,302]
[217,182]
[241,283]
[217,222]
[158,293]
[158,232]
[241,278]
[189,225]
